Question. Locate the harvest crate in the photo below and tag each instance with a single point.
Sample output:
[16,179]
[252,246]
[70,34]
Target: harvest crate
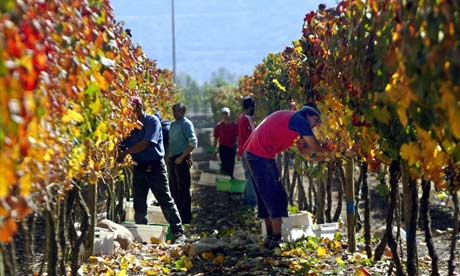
[209,179]
[103,241]
[326,230]
[145,232]
[237,185]
[223,185]
[294,223]
[214,165]
[154,214]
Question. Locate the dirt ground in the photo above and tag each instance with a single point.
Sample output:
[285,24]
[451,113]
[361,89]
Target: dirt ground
[216,212]
[219,217]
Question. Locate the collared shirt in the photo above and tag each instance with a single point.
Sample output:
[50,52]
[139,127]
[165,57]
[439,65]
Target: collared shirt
[150,131]
[277,133]
[181,135]
[245,128]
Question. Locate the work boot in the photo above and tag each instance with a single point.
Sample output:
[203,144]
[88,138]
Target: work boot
[179,238]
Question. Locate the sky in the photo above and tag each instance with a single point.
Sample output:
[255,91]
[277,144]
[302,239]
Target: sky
[211,34]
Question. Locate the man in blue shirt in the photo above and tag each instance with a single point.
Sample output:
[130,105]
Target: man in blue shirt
[145,145]
[182,141]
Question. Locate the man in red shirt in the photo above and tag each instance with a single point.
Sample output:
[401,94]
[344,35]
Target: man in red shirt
[225,133]
[278,132]
[245,128]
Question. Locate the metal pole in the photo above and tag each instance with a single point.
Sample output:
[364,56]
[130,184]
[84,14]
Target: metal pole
[173,42]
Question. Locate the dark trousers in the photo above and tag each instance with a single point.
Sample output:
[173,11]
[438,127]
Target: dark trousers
[153,176]
[272,200]
[227,157]
[179,181]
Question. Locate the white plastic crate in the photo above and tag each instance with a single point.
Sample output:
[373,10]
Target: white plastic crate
[103,241]
[293,224]
[154,214]
[145,233]
[209,179]
[214,165]
[326,230]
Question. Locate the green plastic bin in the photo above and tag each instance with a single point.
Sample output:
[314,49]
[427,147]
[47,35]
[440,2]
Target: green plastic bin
[237,186]
[223,185]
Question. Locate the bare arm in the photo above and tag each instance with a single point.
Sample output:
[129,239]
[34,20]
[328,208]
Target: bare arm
[214,149]
[186,152]
[309,144]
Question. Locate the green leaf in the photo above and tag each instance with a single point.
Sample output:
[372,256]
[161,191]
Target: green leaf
[382,115]
[7,5]
[382,190]
[293,209]
[132,83]
[3,69]
[92,89]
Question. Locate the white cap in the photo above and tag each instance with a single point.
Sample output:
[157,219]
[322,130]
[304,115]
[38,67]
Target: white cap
[225,110]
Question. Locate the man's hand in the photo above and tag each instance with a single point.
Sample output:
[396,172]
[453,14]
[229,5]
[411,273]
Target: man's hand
[328,146]
[179,160]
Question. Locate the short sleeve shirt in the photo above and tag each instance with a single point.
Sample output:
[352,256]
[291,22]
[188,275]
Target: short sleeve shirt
[245,128]
[150,131]
[181,135]
[277,133]
[226,133]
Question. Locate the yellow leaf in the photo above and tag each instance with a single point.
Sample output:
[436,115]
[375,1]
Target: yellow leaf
[321,251]
[155,240]
[7,176]
[75,131]
[27,62]
[381,114]
[339,261]
[124,262]
[338,244]
[96,107]
[455,125]
[410,153]
[111,145]
[207,255]
[402,114]
[26,184]
[72,115]
[122,273]
[449,146]
[109,272]
[48,154]
[4,186]
[219,259]
[188,264]
[100,133]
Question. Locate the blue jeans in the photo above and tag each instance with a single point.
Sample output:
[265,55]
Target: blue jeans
[249,196]
[272,200]
[153,176]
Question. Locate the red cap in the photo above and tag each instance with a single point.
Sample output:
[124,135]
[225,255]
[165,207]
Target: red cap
[135,100]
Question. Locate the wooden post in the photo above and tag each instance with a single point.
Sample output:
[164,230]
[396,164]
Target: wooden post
[350,201]
[92,203]
[2,268]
